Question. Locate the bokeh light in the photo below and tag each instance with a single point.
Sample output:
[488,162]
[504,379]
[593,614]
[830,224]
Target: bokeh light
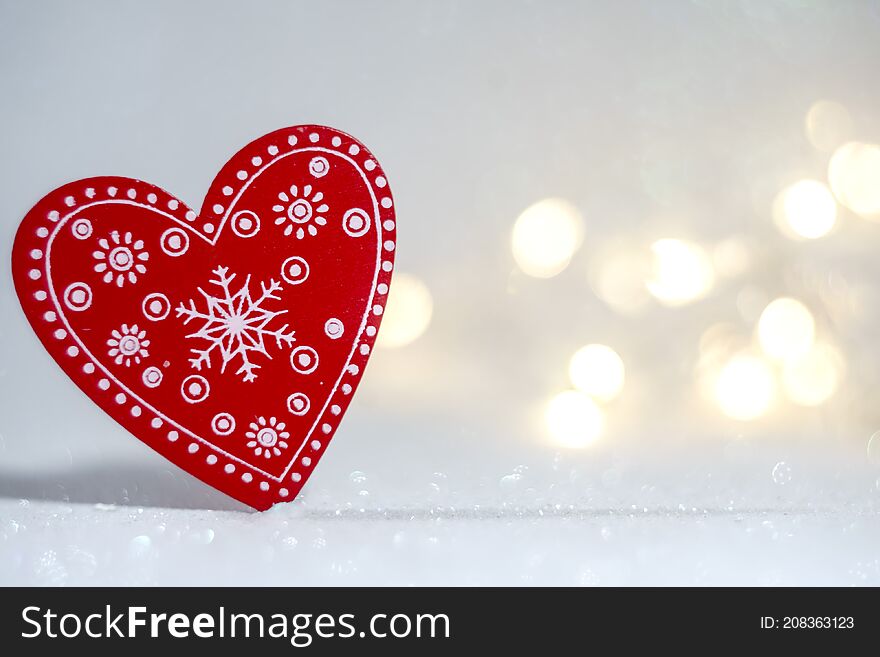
[745,388]
[681,272]
[827,125]
[408,312]
[813,378]
[786,329]
[805,210]
[718,344]
[731,257]
[573,420]
[598,371]
[751,301]
[854,175]
[618,278]
[546,236]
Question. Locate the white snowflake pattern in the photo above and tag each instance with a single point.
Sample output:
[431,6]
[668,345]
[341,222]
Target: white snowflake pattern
[235,324]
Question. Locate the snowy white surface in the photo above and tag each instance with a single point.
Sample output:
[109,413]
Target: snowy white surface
[64,544]
[582,521]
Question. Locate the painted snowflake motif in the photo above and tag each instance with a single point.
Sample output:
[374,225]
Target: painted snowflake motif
[128,344]
[267,438]
[121,258]
[300,212]
[235,324]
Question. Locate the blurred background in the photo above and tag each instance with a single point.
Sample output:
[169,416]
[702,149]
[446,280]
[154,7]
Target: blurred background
[634,313]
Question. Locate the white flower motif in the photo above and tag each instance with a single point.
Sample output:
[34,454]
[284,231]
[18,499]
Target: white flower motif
[121,258]
[127,344]
[301,212]
[267,438]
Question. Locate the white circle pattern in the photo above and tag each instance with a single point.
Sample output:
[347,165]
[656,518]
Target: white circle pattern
[298,403]
[174,242]
[81,229]
[223,424]
[152,377]
[356,222]
[78,296]
[304,360]
[295,270]
[319,167]
[195,388]
[156,306]
[334,328]
[245,224]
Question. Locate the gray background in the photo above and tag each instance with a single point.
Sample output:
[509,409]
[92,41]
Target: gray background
[672,119]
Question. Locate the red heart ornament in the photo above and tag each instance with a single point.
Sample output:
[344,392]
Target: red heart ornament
[230,340]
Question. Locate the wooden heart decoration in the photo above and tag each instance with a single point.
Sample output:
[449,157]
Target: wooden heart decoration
[229,340]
